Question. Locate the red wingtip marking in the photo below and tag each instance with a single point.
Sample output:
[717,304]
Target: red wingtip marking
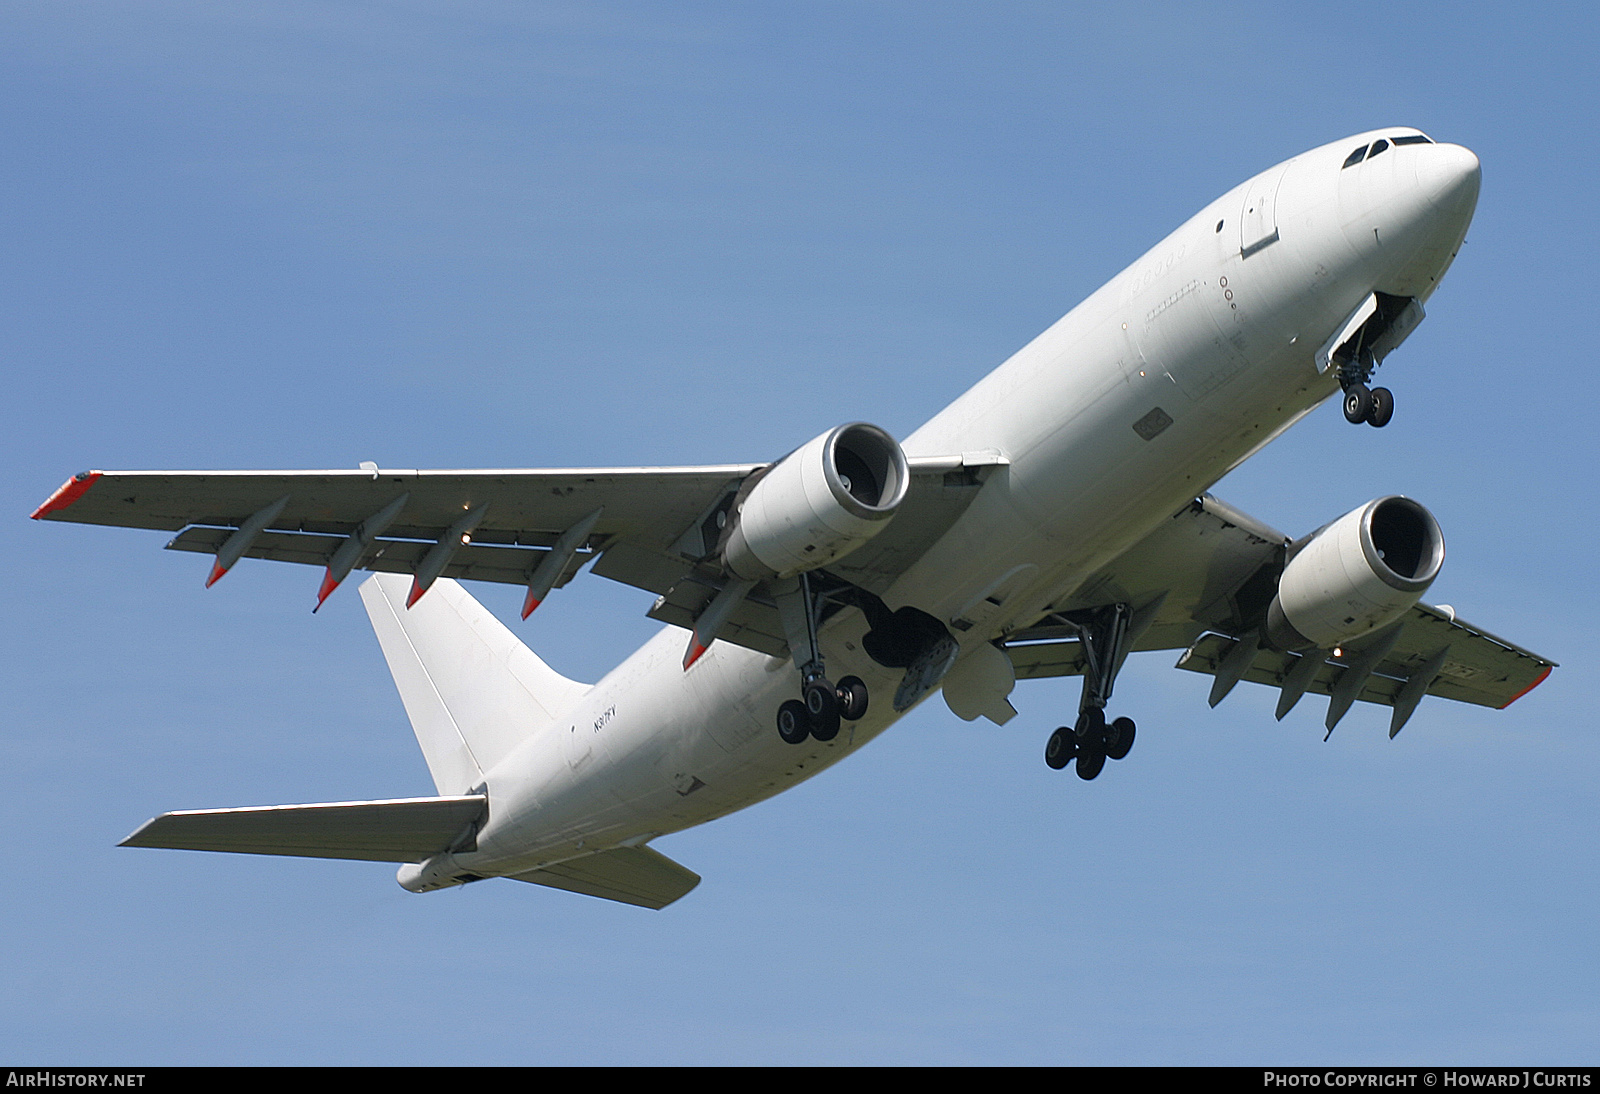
[1530,687]
[416,593]
[693,653]
[328,585]
[69,492]
[217,570]
[529,604]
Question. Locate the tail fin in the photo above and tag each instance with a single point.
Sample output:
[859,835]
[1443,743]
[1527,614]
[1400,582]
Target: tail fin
[473,691]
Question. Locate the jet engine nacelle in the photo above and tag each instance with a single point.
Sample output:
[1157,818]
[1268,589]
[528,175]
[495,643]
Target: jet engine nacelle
[1358,574]
[818,503]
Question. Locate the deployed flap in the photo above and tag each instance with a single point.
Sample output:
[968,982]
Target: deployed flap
[397,830]
[1042,660]
[629,875]
[1478,668]
[472,690]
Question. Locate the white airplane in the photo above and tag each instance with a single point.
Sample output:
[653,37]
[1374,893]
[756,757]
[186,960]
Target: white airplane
[1047,523]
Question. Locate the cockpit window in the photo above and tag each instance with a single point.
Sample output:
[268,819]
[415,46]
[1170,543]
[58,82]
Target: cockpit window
[1362,153]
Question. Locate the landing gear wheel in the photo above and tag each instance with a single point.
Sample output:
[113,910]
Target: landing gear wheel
[1358,404]
[1119,738]
[1382,407]
[852,699]
[1060,749]
[793,724]
[1091,728]
[1090,761]
[822,708]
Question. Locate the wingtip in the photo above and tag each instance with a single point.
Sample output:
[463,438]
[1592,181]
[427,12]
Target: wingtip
[67,493]
[1539,680]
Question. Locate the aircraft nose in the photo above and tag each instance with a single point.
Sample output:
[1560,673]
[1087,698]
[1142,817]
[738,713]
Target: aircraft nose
[1449,176]
[1422,198]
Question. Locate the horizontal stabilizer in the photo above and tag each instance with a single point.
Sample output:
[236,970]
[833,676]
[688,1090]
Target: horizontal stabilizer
[398,830]
[630,875]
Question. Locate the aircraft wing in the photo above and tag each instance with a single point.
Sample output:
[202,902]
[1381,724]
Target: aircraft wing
[655,528]
[1460,662]
[1197,582]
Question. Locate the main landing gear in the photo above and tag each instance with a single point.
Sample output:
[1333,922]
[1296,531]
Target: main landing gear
[1106,639]
[822,705]
[822,708]
[1090,742]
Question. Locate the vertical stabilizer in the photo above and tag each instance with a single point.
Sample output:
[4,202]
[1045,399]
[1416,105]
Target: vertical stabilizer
[473,691]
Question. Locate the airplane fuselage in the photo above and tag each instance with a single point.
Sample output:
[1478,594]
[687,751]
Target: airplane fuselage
[1114,418]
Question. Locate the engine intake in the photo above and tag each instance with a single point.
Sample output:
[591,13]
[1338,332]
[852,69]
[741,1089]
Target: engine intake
[1356,575]
[818,503]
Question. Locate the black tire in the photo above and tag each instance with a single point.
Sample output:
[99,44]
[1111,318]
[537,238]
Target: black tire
[1090,761]
[822,709]
[794,726]
[1060,749]
[1357,404]
[1091,728]
[1382,407]
[852,699]
[1119,738]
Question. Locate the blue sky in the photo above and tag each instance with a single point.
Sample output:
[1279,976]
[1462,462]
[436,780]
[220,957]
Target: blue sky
[481,234]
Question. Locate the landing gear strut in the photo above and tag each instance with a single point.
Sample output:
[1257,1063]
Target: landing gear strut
[823,705]
[1106,637]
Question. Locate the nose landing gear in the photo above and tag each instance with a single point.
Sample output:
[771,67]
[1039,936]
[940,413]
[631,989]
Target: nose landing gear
[1384,322]
[1375,407]
[1356,362]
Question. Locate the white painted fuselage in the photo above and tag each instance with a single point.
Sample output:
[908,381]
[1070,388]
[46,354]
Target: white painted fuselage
[1114,418]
